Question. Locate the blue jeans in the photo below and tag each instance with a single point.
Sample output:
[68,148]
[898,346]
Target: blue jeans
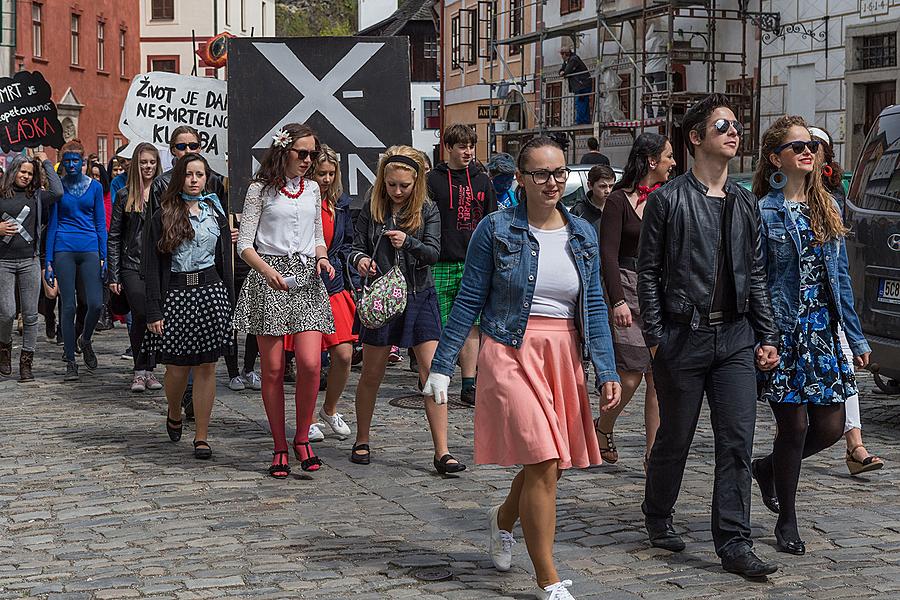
[583,107]
[83,268]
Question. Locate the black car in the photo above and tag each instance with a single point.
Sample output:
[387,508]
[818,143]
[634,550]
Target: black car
[872,211]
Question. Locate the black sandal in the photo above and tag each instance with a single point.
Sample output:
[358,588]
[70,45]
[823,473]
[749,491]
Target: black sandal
[444,466]
[280,470]
[202,451]
[609,454]
[173,428]
[312,463]
[356,456]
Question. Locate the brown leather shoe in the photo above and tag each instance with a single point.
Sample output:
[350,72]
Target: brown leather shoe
[26,360]
[5,359]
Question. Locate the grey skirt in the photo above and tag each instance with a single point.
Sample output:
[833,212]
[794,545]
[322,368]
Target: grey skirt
[632,353]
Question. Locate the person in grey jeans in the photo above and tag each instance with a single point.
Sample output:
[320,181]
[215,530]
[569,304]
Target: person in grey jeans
[22,199]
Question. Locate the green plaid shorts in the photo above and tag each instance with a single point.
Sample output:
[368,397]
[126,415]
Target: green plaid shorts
[447,276]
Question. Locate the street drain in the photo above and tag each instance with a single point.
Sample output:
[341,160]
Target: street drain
[416,401]
[432,574]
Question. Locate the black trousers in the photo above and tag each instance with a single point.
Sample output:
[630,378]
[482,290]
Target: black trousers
[717,360]
[133,288]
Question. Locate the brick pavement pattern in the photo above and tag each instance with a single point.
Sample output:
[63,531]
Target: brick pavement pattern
[95,502]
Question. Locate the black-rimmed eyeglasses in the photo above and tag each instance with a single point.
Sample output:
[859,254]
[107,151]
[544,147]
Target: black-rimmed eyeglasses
[542,176]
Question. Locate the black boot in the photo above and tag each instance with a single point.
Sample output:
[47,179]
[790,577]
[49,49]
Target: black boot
[26,361]
[5,359]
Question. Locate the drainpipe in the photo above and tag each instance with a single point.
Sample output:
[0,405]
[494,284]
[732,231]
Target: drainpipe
[440,34]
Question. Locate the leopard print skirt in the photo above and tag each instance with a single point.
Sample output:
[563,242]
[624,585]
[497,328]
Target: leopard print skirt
[262,310]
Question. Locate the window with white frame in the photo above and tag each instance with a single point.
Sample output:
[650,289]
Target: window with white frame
[101,46]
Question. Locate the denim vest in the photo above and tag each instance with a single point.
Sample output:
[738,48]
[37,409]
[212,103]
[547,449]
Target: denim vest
[781,252]
[498,284]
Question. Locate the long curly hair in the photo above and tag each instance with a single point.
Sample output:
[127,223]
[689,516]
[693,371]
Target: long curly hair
[646,146]
[409,218]
[835,181]
[135,183]
[8,180]
[176,224]
[824,218]
[271,169]
[331,195]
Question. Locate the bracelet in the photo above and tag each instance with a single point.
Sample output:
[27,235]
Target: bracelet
[619,303]
[318,258]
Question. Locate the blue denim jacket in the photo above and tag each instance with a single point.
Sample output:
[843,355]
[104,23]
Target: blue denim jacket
[498,284]
[782,258]
[199,253]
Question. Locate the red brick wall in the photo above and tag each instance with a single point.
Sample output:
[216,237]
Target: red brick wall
[101,92]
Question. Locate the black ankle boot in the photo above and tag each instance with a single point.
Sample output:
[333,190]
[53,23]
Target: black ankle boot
[5,358]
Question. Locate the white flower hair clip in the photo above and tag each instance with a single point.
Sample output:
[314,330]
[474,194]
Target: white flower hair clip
[282,139]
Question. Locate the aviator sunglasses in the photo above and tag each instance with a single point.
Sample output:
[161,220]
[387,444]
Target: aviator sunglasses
[181,147]
[798,146]
[722,126]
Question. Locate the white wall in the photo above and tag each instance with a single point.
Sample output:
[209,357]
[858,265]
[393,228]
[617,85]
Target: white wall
[370,12]
[198,16]
[423,139]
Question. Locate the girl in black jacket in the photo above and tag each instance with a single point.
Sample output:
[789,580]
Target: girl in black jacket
[124,257]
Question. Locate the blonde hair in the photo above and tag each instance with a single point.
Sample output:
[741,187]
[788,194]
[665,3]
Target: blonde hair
[135,184]
[410,216]
[328,155]
[824,218]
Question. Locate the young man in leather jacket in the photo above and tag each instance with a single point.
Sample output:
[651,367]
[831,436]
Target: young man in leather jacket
[705,306]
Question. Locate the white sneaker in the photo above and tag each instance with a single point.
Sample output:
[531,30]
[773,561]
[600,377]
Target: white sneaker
[337,423]
[315,434]
[501,542]
[236,384]
[252,380]
[557,591]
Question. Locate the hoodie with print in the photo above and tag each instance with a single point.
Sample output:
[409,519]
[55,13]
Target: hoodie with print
[463,197]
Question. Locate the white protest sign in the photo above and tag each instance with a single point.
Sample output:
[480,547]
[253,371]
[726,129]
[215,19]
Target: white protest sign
[159,102]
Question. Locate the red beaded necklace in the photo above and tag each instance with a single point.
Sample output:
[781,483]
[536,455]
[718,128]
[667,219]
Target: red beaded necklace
[293,195]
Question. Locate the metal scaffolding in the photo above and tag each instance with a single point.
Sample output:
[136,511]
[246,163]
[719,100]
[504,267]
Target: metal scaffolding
[619,70]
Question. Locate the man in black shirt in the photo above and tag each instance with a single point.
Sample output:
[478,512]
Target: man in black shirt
[593,156]
[701,322]
[580,84]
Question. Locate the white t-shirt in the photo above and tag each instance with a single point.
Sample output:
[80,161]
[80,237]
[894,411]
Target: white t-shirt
[557,286]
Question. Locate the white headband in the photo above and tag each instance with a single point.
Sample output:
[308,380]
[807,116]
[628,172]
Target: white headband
[820,133]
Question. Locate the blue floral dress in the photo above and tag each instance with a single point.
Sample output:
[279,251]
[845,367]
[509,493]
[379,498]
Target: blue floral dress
[813,369]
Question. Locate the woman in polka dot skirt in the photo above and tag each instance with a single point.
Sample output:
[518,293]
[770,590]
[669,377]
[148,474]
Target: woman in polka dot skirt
[187,254]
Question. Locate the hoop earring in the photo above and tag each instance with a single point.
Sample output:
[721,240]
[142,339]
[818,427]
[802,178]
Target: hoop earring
[827,171]
[777,180]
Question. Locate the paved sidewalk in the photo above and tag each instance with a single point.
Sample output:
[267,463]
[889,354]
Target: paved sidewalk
[95,502]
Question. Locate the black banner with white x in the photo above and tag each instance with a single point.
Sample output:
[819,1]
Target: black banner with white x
[354,91]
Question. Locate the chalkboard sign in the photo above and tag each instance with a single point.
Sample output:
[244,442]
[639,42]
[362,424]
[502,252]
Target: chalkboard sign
[354,91]
[27,113]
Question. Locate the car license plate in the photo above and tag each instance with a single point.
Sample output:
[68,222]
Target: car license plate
[889,291]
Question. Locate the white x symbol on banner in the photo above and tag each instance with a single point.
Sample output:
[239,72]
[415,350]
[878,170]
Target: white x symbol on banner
[20,220]
[319,94]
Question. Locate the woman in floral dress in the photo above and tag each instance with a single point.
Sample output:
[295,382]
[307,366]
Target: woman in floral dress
[806,263]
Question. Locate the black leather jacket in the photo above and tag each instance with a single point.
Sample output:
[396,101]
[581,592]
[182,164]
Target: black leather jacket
[215,185]
[677,259]
[124,243]
[420,250]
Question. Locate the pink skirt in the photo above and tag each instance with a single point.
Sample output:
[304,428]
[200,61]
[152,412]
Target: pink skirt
[532,403]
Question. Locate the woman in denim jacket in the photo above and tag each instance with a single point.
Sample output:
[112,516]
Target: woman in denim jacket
[532,274]
[809,282]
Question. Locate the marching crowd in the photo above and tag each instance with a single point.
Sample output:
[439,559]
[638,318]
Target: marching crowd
[705,289]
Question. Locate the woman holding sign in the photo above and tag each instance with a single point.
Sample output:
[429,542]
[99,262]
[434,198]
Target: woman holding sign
[76,252]
[187,253]
[21,203]
[281,239]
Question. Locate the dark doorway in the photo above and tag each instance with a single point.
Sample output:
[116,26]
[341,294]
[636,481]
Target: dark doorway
[878,97]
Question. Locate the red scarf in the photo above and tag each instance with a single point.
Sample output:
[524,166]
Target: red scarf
[644,191]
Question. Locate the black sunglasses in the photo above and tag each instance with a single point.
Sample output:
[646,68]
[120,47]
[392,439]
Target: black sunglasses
[181,147]
[799,146]
[303,154]
[722,126]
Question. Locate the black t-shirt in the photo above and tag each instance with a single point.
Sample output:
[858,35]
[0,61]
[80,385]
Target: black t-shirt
[594,158]
[724,295]
[22,208]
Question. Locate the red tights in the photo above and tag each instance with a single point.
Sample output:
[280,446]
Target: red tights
[308,354]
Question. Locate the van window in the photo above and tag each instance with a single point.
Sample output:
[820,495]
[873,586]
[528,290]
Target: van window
[876,182]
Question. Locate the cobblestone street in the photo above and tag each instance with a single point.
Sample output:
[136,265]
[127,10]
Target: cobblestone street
[95,502]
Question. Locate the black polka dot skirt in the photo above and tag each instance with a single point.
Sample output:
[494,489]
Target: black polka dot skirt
[196,326]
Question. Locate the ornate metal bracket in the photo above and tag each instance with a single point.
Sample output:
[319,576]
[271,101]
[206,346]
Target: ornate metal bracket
[819,33]
[767,22]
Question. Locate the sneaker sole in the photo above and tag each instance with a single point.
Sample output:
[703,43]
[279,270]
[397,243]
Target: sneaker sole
[492,521]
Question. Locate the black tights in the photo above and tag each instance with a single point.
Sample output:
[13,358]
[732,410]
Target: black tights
[803,430]
[251,352]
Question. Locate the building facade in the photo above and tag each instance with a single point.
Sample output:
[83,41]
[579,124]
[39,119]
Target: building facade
[845,50]
[415,20]
[172,29]
[88,52]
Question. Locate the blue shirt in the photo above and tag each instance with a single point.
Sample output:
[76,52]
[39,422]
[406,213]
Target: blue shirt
[118,182]
[78,223]
[199,253]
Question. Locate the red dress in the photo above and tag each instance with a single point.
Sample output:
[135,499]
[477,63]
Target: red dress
[342,306]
